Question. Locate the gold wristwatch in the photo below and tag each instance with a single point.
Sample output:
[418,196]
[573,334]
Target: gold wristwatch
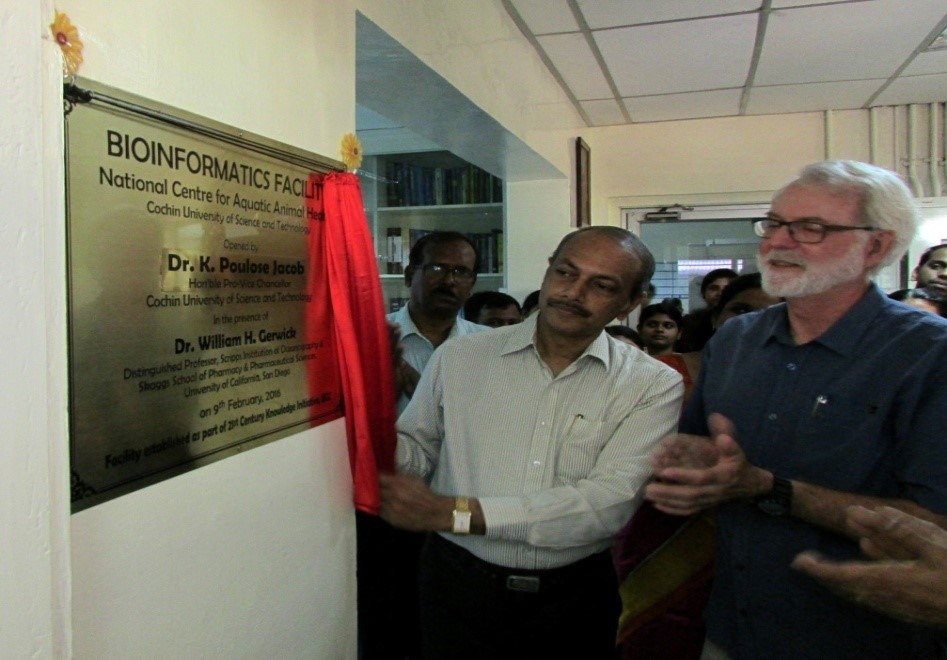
[461,516]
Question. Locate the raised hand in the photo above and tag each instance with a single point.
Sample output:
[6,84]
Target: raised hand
[908,580]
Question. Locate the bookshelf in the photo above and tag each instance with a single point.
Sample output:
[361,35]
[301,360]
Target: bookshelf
[417,193]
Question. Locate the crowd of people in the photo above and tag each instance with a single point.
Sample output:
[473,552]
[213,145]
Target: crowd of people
[762,477]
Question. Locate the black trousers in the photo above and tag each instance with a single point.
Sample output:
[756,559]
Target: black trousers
[474,609]
[387,570]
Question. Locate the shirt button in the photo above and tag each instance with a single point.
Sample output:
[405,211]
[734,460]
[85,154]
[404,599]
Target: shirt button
[740,567]
[772,417]
[791,366]
[743,611]
[537,463]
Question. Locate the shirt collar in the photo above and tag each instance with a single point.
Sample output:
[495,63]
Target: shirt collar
[843,336]
[524,336]
[404,319]
[409,328]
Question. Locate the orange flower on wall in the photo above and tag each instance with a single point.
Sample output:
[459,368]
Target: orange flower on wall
[351,151]
[67,36]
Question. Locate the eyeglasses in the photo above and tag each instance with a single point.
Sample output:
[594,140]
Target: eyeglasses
[439,271]
[802,231]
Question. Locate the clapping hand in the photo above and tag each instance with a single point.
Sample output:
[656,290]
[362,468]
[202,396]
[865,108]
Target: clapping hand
[694,472]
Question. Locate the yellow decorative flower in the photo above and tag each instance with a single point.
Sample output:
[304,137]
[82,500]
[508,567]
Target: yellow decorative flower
[67,36]
[351,151]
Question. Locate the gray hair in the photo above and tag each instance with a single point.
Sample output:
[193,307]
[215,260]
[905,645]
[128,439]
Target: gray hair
[629,242]
[885,202]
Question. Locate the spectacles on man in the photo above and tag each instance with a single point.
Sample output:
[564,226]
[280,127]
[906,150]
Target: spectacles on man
[438,271]
[802,231]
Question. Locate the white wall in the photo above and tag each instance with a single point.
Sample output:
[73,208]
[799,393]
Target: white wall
[252,556]
[34,506]
[249,557]
[535,224]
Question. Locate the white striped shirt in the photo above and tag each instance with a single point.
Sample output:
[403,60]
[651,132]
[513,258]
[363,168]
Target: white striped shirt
[558,463]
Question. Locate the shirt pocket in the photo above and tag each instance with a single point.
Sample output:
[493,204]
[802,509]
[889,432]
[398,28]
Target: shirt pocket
[839,442]
[579,450]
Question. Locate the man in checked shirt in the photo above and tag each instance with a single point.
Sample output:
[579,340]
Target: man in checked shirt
[525,450]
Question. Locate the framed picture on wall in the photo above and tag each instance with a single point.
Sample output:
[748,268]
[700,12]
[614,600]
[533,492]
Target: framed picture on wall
[583,203]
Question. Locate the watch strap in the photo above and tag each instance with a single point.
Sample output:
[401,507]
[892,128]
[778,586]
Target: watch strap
[778,501]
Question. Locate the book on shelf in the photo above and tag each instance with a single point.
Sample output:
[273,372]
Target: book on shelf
[490,249]
[393,251]
[400,240]
[498,249]
[419,185]
[397,248]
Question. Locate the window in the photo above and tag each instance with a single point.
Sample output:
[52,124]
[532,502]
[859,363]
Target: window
[687,249]
[681,279]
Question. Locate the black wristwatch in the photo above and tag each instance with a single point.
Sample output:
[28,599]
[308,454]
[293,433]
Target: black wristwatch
[778,501]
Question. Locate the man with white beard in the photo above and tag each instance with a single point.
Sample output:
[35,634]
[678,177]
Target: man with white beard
[833,399]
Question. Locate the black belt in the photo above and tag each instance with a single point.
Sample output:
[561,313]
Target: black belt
[521,579]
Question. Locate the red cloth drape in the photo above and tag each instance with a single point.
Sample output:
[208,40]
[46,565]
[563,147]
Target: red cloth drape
[361,337]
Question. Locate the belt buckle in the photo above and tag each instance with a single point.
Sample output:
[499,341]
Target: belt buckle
[525,583]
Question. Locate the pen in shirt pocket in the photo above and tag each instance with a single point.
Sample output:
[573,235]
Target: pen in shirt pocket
[576,418]
[820,402]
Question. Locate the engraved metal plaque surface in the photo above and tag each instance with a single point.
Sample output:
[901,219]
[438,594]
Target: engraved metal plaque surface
[199,314]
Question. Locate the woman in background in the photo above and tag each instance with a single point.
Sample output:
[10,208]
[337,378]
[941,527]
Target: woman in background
[659,326]
[665,563]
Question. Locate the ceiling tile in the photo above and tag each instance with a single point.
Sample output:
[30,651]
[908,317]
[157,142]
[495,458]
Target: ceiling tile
[710,53]
[716,103]
[546,16]
[609,13]
[933,62]
[848,41]
[675,59]
[915,89]
[571,55]
[605,112]
[811,97]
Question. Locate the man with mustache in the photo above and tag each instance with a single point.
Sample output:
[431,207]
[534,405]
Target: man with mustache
[832,399]
[442,269]
[524,450]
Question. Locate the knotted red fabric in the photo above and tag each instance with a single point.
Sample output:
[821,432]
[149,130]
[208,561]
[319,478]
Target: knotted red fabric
[361,336]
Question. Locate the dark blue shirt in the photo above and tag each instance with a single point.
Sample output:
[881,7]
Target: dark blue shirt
[861,409]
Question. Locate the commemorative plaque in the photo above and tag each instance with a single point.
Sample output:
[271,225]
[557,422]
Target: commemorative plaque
[199,315]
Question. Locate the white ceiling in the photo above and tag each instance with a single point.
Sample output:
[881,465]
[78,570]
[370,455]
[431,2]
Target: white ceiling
[630,61]
[404,106]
